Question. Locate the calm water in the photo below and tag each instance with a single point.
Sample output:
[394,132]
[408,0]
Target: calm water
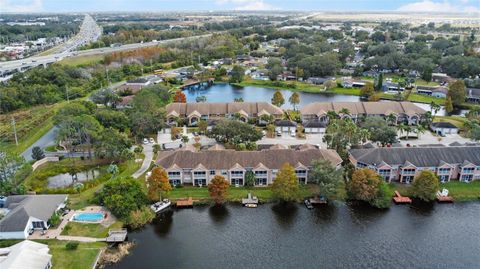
[228,93]
[65,180]
[340,236]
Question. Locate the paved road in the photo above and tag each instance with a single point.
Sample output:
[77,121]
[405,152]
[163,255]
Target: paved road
[46,140]
[148,151]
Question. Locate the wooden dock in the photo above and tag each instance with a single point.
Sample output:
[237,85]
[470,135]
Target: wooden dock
[115,236]
[444,199]
[250,200]
[318,200]
[185,202]
[399,199]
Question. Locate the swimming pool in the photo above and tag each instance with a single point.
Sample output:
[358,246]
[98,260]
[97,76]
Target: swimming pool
[88,217]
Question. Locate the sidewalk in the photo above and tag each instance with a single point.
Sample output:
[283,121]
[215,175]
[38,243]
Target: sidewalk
[148,151]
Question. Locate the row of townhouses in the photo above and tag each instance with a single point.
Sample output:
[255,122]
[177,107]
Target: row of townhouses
[194,112]
[313,115]
[403,112]
[403,164]
[198,168]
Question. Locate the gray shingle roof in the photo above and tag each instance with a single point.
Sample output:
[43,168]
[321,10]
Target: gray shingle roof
[443,125]
[420,157]
[24,206]
[225,159]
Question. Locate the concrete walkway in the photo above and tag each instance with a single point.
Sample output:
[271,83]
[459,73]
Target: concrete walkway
[46,140]
[148,151]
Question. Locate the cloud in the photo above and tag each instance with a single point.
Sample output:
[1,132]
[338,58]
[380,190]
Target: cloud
[247,4]
[445,6]
[21,5]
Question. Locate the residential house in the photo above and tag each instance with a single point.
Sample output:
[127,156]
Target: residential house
[348,82]
[319,80]
[26,254]
[441,77]
[315,127]
[443,128]
[26,213]
[404,164]
[473,95]
[390,86]
[285,126]
[138,82]
[404,112]
[198,168]
[439,92]
[245,111]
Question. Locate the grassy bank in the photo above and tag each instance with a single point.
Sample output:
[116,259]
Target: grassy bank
[282,85]
[81,258]
[455,120]
[82,60]
[89,229]
[264,194]
[31,124]
[460,191]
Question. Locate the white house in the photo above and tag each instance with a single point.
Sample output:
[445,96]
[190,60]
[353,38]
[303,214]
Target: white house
[26,254]
[443,128]
[26,213]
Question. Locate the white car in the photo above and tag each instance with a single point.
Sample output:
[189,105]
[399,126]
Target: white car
[152,141]
[292,133]
[145,141]
[279,133]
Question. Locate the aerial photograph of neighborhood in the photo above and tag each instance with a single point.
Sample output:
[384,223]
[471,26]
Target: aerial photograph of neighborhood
[239,134]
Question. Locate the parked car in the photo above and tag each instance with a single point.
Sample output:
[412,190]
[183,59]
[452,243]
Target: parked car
[292,133]
[145,141]
[279,133]
[152,141]
[264,133]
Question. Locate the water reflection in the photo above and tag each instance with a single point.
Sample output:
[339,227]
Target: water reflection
[285,214]
[362,211]
[422,208]
[218,213]
[163,223]
[325,214]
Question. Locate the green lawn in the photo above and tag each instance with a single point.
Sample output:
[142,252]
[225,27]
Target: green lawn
[421,82]
[421,98]
[81,258]
[455,120]
[264,194]
[345,91]
[89,229]
[82,60]
[282,85]
[460,191]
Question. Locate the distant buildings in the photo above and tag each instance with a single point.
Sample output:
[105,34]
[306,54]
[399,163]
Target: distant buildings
[403,164]
[198,168]
[439,92]
[443,128]
[473,95]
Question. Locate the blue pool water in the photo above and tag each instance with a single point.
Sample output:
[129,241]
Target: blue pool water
[93,217]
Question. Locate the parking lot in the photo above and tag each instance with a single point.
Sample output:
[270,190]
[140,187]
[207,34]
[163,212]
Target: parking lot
[287,139]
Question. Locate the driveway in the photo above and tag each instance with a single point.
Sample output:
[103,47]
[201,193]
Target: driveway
[286,139]
[428,138]
[148,152]
[46,140]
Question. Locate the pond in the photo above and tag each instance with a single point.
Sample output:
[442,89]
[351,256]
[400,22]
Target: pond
[335,236]
[66,180]
[224,92]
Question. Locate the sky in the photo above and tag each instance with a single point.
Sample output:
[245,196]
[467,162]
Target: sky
[468,6]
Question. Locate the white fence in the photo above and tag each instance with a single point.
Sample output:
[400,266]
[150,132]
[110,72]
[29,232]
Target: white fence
[44,161]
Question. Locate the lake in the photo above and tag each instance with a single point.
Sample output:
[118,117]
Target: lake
[224,92]
[66,180]
[338,236]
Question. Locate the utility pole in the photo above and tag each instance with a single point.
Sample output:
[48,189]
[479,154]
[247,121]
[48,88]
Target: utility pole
[15,130]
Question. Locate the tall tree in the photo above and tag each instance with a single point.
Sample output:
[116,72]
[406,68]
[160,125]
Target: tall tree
[456,91]
[379,85]
[425,186]
[294,100]
[427,74]
[37,153]
[367,90]
[449,105]
[327,177]
[366,185]
[158,184]
[218,189]
[278,99]
[179,97]
[237,74]
[122,196]
[285,186]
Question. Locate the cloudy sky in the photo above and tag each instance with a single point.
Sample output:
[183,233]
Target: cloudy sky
[187,5]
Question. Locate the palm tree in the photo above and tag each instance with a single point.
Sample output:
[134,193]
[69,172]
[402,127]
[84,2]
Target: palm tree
[434,108]
[344,111]
[401,128]
[392,119]
[420,130]
[294,100]
[408,129]
[332,115]
[364,135]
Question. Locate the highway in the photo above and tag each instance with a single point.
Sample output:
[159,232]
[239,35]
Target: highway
[90,31]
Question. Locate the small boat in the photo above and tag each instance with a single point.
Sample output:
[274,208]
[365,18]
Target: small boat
[159,206]
[251,205]
[308,204]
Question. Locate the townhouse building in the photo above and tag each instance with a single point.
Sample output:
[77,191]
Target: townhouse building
[403,112]
[245,111]
[404,164]
[198,168]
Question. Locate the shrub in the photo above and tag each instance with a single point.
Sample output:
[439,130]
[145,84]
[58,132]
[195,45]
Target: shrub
[140,217]
[71,245]
[138,150]
[54,220]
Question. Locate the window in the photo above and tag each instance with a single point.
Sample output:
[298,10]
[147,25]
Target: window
[224,172]
[212,172]
[361,165]
[173,174]
[301,173]
[237,173]
[468,170]
[444,171]
[385,174]
[408,171]
[261,173]
[199,173]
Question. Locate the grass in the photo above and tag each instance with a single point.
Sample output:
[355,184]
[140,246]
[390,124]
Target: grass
[81,258]
[282,85]
[89,229]
[455,120]
[421,82]
[31,124]
[420,98]
[264,194]
[460,191]
[82,60]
